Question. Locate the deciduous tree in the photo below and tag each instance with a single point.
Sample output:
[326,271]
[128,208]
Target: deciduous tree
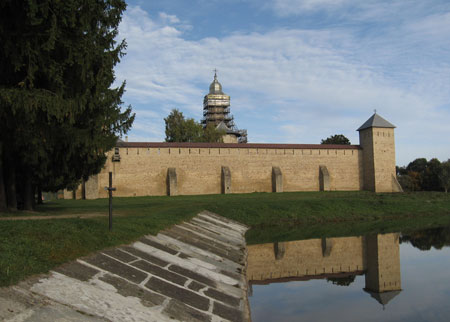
[418,165]
[336,139]
[211,134]
[430,177]
[179,129]
[444,175]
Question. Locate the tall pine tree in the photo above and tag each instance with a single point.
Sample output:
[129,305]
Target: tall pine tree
[59,112]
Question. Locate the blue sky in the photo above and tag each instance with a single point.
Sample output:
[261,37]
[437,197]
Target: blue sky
[297,71]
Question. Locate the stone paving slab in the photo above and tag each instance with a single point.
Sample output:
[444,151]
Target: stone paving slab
[146,256]
[183,312]
[116,267]
[194,271]
[193,275]
[194,264]
[210,234]
[160,272]
[195,252]
[120,255]
[193,240]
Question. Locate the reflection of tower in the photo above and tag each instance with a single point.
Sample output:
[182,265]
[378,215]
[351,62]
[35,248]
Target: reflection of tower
[383,280]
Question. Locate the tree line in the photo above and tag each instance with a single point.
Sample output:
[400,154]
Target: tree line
[59,113]
[423,175]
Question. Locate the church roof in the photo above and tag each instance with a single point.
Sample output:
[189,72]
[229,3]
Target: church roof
[215,87]
[222,127]
[375,121]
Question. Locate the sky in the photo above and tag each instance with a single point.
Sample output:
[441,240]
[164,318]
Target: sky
[297,71]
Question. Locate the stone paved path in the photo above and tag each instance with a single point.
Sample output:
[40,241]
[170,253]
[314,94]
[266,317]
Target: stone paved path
[194,271]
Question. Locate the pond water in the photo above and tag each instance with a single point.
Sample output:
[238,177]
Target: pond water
[379,277]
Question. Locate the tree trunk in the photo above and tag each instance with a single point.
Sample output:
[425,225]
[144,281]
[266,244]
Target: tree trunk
[27,192]
[3,205]
[11,187]
[83,190]
[33,196]
[39,195]
[74,194]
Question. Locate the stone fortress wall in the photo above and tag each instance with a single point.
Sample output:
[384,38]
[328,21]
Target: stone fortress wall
[229,168]
[146,169]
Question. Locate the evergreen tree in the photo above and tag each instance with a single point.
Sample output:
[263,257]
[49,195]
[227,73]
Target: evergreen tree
[60,114]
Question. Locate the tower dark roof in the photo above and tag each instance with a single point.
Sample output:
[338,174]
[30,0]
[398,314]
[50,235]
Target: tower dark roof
[375,121]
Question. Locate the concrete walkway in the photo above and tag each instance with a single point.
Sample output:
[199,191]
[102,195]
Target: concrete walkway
[194,271]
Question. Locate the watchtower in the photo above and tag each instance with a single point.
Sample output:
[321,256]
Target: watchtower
[376,137]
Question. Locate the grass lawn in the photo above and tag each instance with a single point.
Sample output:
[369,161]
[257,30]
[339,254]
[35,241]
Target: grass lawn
[30,247]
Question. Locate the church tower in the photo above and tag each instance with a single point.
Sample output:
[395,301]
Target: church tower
[216,106]
[216,111]
[376,137]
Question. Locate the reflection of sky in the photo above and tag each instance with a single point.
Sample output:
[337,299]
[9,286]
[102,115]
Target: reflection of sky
[425,295]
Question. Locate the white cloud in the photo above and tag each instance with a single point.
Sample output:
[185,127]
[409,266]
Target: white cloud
[310,83]
[289,7]
[435,26]
[166,18]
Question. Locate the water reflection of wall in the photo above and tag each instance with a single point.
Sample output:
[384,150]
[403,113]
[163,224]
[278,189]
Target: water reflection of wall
[305,258]
[377,256]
